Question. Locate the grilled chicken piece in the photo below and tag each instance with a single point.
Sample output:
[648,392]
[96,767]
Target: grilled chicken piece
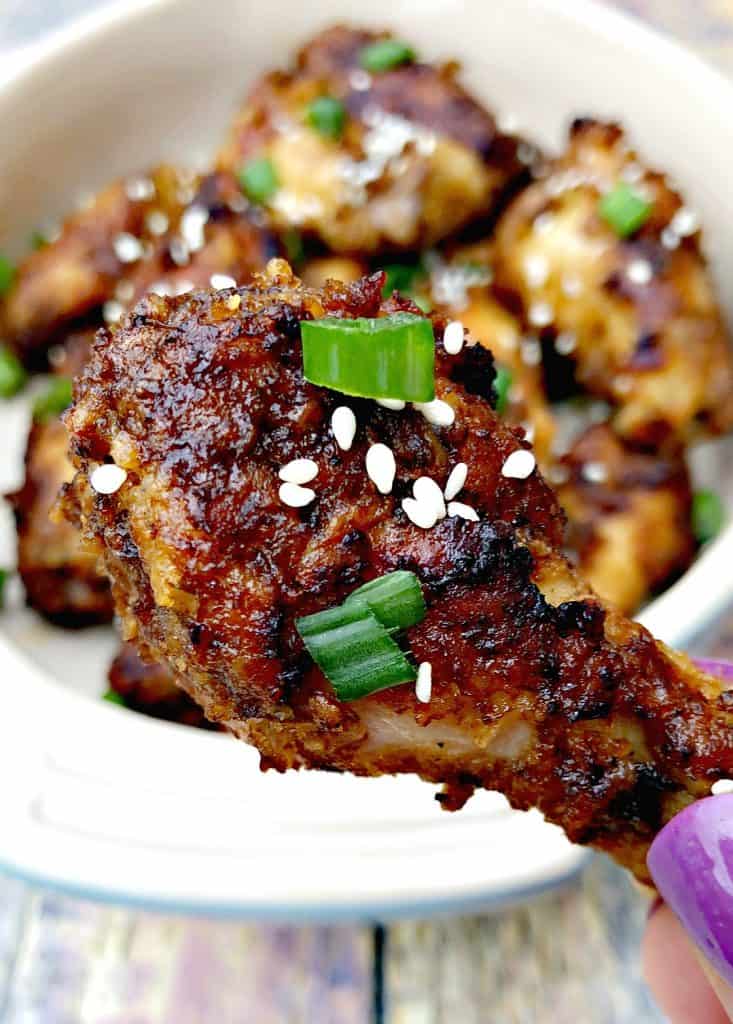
[417,159]
[639,315]
[538,689]
[150,688]
[629,515]
[460,286]
[60,573]
[167,229]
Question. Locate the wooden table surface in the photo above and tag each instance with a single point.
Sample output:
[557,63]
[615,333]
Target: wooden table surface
[568,958]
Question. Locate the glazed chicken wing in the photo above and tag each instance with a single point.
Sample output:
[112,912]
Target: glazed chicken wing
[150,688]
[537,689]
[630,519]
[629,300]
[395,157]
[168,229]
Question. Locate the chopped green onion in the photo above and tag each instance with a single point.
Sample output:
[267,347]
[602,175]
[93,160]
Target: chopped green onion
[328,116]
[38,240]
[12,374]
[387,357]
[502,387]
[386,54]
[4,577]
[54,400]
[401,277]
[708,515]
[396,599]
[258,180]
[354,650]
[294,247]
[7,274]
[115,698]
[624,209]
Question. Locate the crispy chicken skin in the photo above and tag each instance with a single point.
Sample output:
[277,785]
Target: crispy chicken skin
[629,517]
[59,572]
[538,690]
[150,688]
[641,312]
[418,158]
[133,234]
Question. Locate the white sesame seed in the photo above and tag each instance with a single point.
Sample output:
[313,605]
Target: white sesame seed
[427,492]
[156,221]
[193,221]
[112,311]
[438,413]
[162,288]
[536,270]
[139,189]
[220,281]
[457,509]
[632,172]
[541,314]
[519,465]
[179,252]
[453,337]
[529,431]
[594,473]
[565,343]
[299,471]
[531,352]
[360,80]
[233,302]
[421,515]
[107,479]
[685,222]
[381,467]
[295,496]
[640,272]
[424,682]
[456,480]
[125,291]
[127,248]
[343,425]
[395,404]
[572,286]
[670,239]
[721,786]
[543,222]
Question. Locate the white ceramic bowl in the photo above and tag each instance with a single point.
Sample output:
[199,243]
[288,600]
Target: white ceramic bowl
[106,803]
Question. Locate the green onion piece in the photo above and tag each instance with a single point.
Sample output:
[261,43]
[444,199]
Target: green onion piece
[388,357]
[502,387]
[54,400]
[396,599]
[708,515]
[12,374]
[401,277]
[38,240]
[7,274]
[624,209]
[386,54]
[115,698]
[4,577]
[328,116]
[294,247]
[258,180]
[354,650]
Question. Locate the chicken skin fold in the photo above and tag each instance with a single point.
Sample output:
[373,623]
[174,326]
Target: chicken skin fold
[538,690]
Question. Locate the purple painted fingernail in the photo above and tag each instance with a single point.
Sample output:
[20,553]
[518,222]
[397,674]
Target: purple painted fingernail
[691,862]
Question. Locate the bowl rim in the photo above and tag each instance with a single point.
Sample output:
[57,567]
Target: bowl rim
[702,586]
